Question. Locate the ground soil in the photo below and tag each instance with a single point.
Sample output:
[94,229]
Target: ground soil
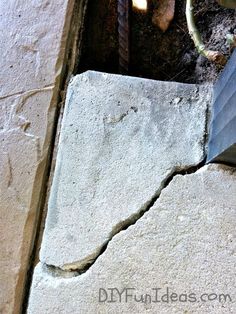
[169,56]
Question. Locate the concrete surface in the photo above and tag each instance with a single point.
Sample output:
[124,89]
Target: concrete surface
[184,243]
[33,37]
[121,139]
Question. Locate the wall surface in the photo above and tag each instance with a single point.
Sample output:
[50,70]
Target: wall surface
[33,48]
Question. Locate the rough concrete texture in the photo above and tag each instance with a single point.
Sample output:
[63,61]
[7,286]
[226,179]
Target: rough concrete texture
[33,41]
[121,139]
[185,242]
[31,36]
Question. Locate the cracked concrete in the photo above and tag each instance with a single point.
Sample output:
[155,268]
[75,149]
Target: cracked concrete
[73,271]
[184,243]
[121,139]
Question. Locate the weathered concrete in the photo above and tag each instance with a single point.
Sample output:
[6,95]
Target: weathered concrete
[22,160]
[186,242]
[33,43]
[121,139]
[30,56]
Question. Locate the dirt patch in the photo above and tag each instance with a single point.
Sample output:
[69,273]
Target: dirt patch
[169,56]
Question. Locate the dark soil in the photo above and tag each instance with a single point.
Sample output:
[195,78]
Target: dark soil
[169,56]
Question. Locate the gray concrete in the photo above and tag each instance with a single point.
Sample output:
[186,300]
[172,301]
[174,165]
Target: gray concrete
[33,50]
[121,138]
[186,242]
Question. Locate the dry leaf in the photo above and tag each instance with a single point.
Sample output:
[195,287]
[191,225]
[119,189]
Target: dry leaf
[164,14]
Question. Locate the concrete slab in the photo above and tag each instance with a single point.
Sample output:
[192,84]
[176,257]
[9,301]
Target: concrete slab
[33,37]
[29,55]
[121,139]
[181,253]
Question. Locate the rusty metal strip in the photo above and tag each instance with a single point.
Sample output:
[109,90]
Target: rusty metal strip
[124,35]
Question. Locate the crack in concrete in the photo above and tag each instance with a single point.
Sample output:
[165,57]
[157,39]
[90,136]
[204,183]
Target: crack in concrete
[10,171]
[206,131]
[71,270]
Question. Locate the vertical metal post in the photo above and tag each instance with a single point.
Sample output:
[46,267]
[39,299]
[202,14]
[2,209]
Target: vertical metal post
[222,141]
